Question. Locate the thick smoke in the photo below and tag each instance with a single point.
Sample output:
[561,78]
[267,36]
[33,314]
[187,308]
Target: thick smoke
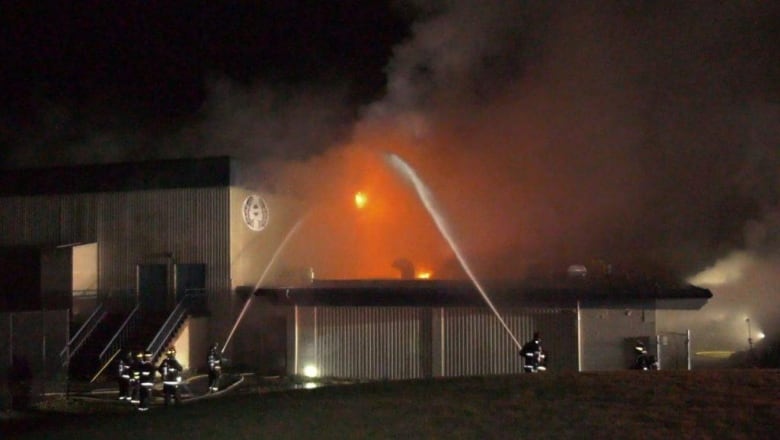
[260,122]
[641,134]
[638,134]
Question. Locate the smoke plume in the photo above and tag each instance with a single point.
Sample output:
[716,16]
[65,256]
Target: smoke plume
[642,135]
[635,134]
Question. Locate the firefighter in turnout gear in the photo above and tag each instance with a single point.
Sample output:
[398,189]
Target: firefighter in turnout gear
[170,370]
[533,355]
[643,361]
[135,378]
[214,362]
[146,381]
[124,372]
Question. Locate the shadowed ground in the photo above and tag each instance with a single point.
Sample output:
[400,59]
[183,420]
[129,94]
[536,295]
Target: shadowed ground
[629,404]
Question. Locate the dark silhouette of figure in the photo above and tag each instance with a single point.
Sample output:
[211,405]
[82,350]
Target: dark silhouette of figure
[170,369]
[135,377]
[214,362]
[533,355]
[406,267]
[643,361]
[20,382]
[146,381]
[124,375]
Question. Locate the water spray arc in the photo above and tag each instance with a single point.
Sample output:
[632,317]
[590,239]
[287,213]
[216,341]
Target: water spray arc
[270,264]
[427,199]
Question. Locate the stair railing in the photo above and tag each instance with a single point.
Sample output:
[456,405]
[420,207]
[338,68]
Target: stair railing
[82,334]
[121,335]
[174,320]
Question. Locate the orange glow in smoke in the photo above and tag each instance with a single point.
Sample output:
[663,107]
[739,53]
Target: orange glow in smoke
[361,217]
[360,199]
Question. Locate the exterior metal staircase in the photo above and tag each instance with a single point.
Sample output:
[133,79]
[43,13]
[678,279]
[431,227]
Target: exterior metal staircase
[82,334]
[138,331]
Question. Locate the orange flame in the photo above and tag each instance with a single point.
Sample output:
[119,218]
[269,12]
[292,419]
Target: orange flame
[360,199]
[424,275]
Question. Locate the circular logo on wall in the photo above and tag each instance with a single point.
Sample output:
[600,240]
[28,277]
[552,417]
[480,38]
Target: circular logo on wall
[255,212]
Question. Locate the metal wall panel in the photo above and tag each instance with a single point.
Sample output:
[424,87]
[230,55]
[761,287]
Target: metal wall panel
[369,342]
[166,226]
[37,338]
[608,335]
[412,342]
[29,221]
[176,225]
[78,219]
[475,342]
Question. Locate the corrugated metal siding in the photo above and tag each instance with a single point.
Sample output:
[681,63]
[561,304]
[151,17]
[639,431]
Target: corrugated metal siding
[36,337]
[369,342]
[191,225]
[130,228]
[475,342]
[398,343]
[29,221]
[78,219]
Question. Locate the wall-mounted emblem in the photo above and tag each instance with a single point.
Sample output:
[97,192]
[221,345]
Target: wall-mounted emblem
[255,212]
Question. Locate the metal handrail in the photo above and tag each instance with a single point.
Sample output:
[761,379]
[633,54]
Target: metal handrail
[105,365]
[85,293]
[122,331]
[174,319]
[166,329]
[82,334]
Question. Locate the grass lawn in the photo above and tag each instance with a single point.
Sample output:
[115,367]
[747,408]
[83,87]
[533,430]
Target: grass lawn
[703,404]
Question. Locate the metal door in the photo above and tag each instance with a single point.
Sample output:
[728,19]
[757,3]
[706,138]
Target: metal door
[152,284]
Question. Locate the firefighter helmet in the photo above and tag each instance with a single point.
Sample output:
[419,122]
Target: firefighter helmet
[147,355]
[171,352]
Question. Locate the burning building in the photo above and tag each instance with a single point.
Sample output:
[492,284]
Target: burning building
[104,258]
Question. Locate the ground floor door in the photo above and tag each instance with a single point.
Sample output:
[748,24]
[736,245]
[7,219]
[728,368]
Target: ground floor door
[152,285]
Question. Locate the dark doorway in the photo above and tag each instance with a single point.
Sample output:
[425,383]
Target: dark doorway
[189,278]
[152,287]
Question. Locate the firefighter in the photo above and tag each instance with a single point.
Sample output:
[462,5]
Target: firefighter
[170,370]
[135,377]
[214,362]
[533,355]
[146,381]
[124,371]
[644,361]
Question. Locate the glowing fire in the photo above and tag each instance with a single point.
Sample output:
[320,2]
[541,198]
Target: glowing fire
[360,199]
[425,275]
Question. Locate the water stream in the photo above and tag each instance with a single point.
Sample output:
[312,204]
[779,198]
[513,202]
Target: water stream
[428,201]
[270,264]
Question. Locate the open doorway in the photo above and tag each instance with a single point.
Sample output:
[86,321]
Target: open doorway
[84,286]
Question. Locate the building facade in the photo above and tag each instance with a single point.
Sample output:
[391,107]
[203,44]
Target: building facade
[103,258]
[382,329]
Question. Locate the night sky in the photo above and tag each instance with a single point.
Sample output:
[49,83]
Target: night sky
[643,134]
[70,69]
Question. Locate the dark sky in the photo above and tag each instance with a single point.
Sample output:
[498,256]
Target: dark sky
[105,65]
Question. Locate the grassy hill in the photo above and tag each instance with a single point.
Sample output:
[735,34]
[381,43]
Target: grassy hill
[627,404]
